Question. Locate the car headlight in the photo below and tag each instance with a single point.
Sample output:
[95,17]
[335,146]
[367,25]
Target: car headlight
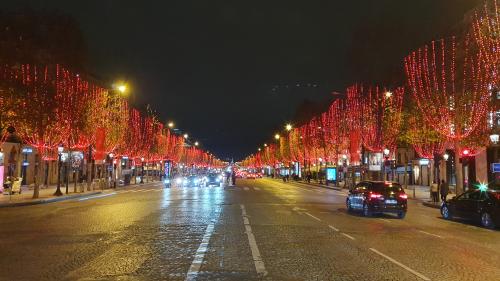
[178,180]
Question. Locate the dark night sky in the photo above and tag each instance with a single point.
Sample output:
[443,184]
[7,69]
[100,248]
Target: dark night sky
[212,65]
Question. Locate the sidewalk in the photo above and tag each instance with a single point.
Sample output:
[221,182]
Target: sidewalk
[46,195]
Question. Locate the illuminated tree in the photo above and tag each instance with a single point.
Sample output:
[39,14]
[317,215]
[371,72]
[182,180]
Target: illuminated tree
[450,89]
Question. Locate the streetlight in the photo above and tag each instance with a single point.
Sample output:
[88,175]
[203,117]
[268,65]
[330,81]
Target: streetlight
[171,125]
[446,156]
[265,145]
[186,136]
[388,94]
[60,150]
[142,171]
[277,136]
[113,174]
[288,127]
[386,154]
[196,143]
[258,149]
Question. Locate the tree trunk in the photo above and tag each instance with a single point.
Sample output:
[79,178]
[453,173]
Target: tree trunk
[36,190]
[459,187]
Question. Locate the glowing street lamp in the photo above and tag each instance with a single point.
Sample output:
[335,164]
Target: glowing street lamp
[171,125]
[288,127]
[446,156]
[386,152]
[186,136]
[388,94]
[277,136]
[265,145]
[196,143]
[258,149]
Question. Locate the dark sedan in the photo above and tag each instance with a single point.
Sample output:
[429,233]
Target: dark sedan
[480,205]
[378,197]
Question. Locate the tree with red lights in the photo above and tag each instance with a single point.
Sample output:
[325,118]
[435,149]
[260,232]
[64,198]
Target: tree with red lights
[450,89]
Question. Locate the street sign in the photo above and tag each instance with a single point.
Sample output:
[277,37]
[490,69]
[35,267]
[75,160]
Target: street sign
[27,150]
[495,167]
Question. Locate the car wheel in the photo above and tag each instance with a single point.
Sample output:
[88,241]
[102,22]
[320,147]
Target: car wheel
[401,215]
[445,212]
[366,210]
[348,205]
[487,221]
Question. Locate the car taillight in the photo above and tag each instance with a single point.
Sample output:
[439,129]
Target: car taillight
[375,195]
[403,196]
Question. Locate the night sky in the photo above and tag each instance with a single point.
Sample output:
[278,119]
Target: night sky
[233,72]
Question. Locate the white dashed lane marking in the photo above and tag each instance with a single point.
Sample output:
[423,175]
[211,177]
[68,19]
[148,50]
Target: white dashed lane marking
[421,276]
[257,259]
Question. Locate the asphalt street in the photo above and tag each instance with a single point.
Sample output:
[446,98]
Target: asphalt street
[257,230]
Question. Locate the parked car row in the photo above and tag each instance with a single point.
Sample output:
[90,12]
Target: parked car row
[480,205]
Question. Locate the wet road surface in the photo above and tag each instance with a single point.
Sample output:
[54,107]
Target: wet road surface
[258,230]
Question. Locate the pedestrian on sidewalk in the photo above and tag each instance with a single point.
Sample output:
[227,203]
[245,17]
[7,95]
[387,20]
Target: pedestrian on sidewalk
[444,189]
[434,192]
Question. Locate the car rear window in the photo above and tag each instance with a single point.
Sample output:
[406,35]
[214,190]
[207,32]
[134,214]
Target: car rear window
[381,187]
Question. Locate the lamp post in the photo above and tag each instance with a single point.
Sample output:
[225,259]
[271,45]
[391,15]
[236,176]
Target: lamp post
[142,170]
[112,160]
[386,156]
[60,150]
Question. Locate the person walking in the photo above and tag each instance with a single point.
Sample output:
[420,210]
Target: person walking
[444,190]
[434,192]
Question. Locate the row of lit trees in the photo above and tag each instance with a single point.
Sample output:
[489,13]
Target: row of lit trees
[449,88]
[51,107]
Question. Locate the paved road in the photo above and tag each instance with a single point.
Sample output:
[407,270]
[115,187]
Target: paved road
[258,230]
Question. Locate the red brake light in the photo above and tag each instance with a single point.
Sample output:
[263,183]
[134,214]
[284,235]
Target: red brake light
[403,196]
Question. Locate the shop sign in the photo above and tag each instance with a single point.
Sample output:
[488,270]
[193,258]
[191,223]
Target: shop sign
[495,167]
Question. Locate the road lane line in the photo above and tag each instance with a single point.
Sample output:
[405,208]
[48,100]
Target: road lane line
[401,265]
[318,219]
[256,188]
[200,253]
[431,234]
[257,259]
[348,236]
[96,196]
[333,227]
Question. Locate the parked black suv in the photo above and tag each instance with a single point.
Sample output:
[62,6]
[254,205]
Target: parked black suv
[378,197]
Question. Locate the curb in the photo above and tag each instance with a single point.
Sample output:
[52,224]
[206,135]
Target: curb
[431,205]
[46,201]
[319,185]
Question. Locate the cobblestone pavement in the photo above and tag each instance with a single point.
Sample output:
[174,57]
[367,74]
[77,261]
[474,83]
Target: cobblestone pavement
[257,230]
